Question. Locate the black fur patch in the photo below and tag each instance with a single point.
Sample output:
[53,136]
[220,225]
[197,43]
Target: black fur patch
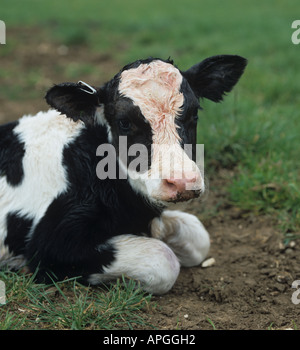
[92,211]
[74,101]
[17,230]
[11,155]
[215,76]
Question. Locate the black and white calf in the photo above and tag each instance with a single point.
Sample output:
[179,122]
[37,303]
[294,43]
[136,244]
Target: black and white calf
[59,217]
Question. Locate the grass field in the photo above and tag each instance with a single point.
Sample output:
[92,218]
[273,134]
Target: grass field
[255,131]
[68,305]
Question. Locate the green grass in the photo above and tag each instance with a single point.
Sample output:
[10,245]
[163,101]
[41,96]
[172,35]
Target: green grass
[261,145]
[69,305]
[211,323]
[255,131]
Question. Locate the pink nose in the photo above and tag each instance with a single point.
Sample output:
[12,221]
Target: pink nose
[180,189]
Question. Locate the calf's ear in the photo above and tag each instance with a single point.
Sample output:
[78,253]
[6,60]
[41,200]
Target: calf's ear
[215,76]
[76,100]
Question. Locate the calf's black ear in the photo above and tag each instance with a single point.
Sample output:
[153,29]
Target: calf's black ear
[215,76]
[76,100]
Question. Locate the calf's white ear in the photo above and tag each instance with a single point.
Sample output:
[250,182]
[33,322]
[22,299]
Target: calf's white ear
[76,100]
[215,76]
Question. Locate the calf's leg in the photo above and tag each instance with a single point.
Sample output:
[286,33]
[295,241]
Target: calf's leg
[148,260]
[184,234]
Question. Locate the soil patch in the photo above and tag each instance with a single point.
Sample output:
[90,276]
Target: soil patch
[248,287]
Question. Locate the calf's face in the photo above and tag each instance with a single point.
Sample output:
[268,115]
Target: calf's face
[150,111]
[149,108]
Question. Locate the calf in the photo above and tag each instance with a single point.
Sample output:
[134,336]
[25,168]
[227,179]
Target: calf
[62,217]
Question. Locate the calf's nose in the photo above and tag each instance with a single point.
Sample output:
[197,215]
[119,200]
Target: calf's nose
[180,185]
[182,188]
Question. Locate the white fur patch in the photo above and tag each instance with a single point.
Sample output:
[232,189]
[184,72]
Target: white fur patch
[100,119]
[45,136]
[147,260]
[155,89]
[185,235]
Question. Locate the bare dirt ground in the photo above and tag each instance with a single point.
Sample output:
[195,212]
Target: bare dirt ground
[249,286]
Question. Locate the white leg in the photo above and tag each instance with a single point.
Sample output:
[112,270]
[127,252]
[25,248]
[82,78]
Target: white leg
[148,260]
[184,234]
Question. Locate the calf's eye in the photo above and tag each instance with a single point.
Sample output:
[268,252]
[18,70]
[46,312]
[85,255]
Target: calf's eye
[125,125]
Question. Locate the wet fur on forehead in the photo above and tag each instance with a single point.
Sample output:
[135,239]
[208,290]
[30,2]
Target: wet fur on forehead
[155,88]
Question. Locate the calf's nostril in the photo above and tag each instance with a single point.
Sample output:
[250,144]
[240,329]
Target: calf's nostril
[177,185]
[170,183]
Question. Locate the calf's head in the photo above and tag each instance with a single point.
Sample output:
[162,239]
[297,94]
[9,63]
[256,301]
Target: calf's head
[153,106]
